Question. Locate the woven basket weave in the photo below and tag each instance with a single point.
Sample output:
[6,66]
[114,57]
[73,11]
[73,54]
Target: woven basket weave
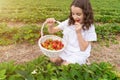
[50,53]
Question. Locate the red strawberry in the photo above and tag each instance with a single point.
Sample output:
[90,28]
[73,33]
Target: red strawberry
[52,44]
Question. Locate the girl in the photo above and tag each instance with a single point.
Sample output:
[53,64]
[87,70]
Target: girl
[79,31]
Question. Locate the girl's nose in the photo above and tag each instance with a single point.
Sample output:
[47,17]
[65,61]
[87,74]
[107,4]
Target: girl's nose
[75,17]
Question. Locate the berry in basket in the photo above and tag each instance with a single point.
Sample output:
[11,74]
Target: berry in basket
[51,44]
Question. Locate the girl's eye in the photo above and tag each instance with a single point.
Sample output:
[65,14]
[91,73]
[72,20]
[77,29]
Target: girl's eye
[73,14]
[78,14]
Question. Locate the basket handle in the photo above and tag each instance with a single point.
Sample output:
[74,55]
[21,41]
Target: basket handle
[44,25]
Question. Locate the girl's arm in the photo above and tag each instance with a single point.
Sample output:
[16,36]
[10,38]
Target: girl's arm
[51,25]
[82,43]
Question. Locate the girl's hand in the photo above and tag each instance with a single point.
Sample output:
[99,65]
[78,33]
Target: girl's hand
[78,26]
[50,22]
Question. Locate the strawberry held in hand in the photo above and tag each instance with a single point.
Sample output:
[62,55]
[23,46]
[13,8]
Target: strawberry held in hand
[52,44]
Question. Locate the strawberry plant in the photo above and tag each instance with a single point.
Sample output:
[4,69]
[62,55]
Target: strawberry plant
[28,33]
[42,69]
[6,34]
[2,74]
[106,33]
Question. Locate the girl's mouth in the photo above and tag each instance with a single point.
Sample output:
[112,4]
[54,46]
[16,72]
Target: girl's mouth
[77,20]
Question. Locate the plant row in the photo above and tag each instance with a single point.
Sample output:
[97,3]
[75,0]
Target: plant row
[43,69]
[31,33]
[37,11]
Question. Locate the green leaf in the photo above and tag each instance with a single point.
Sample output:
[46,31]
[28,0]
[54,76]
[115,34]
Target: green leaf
[54,78]
[2,74]
[15,77]
[2,77]
[26,75]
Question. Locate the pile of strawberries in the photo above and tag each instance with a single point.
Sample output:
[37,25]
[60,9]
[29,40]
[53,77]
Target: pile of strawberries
[51,44]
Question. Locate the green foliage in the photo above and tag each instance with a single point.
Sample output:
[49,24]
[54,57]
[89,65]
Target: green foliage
[2,74]
[42,9]
[43,69]
[8,70]
[28,33]
[33,11]
[12,10]
[106,33]
[6,34]
[106,13]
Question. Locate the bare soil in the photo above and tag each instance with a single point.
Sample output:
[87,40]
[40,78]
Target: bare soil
[21,53]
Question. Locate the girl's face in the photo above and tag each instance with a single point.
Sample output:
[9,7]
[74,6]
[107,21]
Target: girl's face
[77,14]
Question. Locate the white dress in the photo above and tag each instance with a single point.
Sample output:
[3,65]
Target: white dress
[72,52]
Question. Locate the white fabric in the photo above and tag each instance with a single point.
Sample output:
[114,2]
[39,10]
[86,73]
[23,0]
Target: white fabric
[72,52]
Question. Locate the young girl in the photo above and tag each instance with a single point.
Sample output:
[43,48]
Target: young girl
[79,31]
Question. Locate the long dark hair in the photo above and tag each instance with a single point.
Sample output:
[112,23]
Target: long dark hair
[88,18]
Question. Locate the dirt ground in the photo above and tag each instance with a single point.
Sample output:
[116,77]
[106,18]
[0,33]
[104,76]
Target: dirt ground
[21,53]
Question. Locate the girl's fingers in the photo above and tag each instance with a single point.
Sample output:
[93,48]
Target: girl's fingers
[78,26]
[50,20]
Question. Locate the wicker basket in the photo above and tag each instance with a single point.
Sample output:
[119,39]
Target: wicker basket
[50,53]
